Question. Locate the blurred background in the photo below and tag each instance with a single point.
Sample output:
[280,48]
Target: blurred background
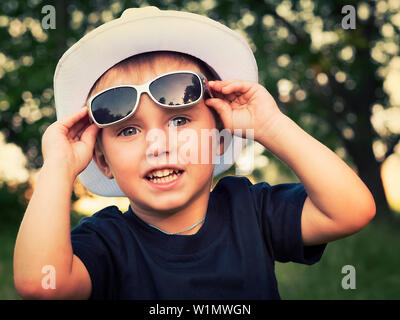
[342,86]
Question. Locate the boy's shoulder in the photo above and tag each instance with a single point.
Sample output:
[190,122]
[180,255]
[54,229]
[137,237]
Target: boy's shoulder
[237,180]
[110,211]
[241,180]
[239,189]
[238,183]
[243,187]
[107,214]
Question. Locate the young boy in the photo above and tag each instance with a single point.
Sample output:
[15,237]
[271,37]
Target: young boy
[177,240]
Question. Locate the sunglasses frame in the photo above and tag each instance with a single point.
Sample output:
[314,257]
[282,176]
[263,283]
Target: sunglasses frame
[145,87]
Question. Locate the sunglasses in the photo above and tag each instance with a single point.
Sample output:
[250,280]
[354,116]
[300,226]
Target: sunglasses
[171,90]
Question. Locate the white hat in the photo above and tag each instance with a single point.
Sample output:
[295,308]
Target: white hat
[140,30]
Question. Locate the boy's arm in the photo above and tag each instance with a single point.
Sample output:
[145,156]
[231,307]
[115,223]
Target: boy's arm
[44,240]
[43,250]
[338,202]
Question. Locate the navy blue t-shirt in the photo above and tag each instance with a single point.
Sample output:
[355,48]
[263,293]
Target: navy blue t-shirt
[247,227]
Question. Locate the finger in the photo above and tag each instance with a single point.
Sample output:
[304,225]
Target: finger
[89,135]
[69,121]
[236,87]
[231,97]
[78,133]
[218,94]
[219,84]
[78,127]
[227,97]
[223,109]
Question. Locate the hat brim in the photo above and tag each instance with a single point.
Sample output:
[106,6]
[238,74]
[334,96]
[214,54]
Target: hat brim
[145,30]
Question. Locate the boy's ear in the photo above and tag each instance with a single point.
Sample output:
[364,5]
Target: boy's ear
[100,159]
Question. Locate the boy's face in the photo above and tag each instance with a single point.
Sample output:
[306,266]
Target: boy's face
[127,154]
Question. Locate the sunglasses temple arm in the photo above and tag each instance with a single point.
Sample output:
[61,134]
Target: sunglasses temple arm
[89,114]
[207,88]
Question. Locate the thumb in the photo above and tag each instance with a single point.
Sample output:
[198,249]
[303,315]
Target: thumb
[223,109]
[89,135]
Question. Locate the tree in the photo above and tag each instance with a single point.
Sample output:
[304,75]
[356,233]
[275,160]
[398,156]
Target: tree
[329,80]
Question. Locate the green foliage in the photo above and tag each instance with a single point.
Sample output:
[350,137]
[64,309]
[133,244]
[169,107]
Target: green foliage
[12,206]
[8,235]
[372,252]
[281,37]
[7,240]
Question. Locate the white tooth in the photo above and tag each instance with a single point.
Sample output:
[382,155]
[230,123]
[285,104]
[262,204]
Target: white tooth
[159,173]
[164,175]
[165,179]
[170,178]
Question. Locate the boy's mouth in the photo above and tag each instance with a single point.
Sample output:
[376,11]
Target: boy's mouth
[164,175]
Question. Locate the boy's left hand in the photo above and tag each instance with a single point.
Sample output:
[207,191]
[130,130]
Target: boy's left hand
[243,105]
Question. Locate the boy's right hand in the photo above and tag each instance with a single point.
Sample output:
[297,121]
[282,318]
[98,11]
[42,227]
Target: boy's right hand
[69,142]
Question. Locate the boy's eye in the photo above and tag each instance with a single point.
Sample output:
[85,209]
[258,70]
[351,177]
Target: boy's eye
[128,131]
[179,121]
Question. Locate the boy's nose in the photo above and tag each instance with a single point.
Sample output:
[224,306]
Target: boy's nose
[157,151]
[161,143]
[160,152]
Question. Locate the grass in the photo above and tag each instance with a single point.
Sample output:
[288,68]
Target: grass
[7,241]
[374,252]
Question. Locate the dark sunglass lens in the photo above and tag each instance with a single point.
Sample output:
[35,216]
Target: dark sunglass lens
[114,104]
[176,89]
